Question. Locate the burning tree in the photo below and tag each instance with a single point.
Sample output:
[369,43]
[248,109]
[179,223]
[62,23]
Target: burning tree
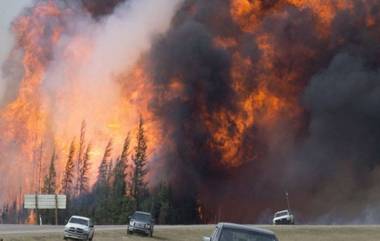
[103,167]
[121,204]
[102,188]
[84,171]
[68,174]
[79,162]
[119,184]
[50,186]
[138,187]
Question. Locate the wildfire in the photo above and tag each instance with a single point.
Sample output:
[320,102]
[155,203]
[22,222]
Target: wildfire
[24,121]
[43,117]
[240,104]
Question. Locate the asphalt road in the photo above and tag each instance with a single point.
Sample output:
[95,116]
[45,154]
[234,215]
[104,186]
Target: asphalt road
[44,229]
[35,229]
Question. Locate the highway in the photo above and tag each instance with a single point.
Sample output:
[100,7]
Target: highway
[36,229]
[30,229]
[44,229]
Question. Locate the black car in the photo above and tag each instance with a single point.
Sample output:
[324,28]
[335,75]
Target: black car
[141,222]
[237,232]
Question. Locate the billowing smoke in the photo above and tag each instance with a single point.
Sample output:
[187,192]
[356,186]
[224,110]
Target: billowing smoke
[341,149]
[12,10]
[267,97]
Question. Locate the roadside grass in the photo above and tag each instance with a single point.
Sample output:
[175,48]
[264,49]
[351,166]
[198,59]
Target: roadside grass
[327,233]
[284,233]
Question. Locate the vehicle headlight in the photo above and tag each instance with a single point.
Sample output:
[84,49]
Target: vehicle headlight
[147,225]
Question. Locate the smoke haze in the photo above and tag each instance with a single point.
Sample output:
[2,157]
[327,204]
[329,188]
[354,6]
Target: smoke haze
[8,12]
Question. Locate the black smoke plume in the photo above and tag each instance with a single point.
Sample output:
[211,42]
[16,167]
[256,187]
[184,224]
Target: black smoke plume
[99,8]
[327,158]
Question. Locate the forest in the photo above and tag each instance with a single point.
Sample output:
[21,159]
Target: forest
[120,189]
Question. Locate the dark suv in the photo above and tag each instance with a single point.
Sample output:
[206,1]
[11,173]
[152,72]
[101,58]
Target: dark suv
[141,222]
[237,232]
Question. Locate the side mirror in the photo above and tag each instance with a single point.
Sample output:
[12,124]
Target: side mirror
[91,225]
[206,238]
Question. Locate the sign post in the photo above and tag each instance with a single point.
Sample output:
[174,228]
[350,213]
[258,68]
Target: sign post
[37,211]
[56,209]
[45,201]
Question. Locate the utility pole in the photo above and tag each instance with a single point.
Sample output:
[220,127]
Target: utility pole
[287,200]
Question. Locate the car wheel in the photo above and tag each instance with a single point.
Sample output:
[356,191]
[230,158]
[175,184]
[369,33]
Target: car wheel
[129,232]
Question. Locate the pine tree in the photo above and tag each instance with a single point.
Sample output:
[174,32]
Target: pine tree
[120,171]
[79,162]
[49,187]
[102,188]
[40,164]
[50,179]
[119,203]
[83,178]
[103,167]
[139,188]
[68,175]
[110,173]
[164,203]
[125,151]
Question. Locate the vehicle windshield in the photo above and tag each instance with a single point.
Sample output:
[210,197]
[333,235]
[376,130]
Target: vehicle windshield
[79,221]
[141,217]
[281,213]
[229,234]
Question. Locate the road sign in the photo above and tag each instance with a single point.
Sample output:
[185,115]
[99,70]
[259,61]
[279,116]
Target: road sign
[45,201]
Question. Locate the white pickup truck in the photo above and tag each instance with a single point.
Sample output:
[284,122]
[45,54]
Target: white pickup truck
[283,217]
[78,227]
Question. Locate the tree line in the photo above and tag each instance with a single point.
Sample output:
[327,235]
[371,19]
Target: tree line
[117,192]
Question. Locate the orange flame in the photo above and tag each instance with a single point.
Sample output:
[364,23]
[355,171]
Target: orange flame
[39,118]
